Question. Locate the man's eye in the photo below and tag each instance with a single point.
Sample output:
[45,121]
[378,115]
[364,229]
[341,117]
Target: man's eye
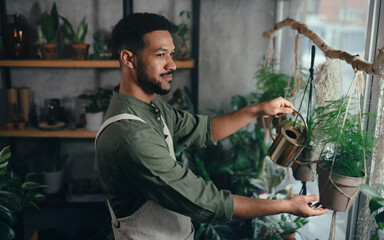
[160,55]
[172,54]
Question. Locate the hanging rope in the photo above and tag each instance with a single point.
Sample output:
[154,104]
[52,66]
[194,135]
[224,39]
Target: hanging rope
[332,231]
[356,61]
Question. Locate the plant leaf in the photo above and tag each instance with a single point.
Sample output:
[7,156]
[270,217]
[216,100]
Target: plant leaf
[6,215]
[376,203]
[6,232]
[369,191]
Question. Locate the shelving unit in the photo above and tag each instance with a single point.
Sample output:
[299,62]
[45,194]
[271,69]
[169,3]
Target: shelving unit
[36,133]
[69,63]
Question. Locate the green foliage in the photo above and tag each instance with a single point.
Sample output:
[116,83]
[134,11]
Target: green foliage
[181,99]
[350,143]
[271,84]
[48,156]
[215,231]
[182,29]
[15,193]
[48,26]
[376,204]
[273,227]
[77,37]
[99,101]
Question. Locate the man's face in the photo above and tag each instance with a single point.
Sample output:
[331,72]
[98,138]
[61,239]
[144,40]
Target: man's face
[155,64]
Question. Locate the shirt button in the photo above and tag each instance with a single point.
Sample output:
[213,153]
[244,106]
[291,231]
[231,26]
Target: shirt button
[156,110]
[158,118]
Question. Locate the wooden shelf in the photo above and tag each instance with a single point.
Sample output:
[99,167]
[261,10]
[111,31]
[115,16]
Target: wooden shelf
[36,133]
[68,63]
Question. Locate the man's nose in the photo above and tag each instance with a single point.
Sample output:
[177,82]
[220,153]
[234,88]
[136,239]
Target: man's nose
[170,64]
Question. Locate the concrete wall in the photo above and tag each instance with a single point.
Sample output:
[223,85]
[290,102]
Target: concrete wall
[231,48]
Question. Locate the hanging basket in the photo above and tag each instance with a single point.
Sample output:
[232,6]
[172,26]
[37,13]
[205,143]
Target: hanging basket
[337,192]
[303,173]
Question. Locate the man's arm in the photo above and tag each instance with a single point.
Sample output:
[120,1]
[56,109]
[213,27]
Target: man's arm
[227,124]
[245,207]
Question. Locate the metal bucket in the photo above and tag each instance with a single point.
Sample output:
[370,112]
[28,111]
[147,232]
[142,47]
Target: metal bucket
[288,144]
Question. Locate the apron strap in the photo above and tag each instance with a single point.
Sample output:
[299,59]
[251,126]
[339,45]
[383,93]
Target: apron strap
[114,220]
[168,139]
[115,119]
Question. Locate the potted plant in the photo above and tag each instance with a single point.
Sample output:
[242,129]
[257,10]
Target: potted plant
[181,34]
[96,106]
[281,227]
[48,29]
[376,205]
[345,146]
[51,162]
[77,38]
[270,84]
[15,194]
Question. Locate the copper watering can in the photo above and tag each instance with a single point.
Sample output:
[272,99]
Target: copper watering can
[288,145]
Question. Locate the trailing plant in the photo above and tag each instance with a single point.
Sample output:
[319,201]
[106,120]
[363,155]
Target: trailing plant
[98,101]
[78,36]
[15,193]
[48,26]
[343,138]
[376,204]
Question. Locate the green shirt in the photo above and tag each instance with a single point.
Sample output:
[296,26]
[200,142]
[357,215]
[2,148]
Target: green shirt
[134,164]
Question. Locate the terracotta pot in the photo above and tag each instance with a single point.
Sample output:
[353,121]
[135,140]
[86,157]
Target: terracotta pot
[9,126]
[48,51]
[81,51]
[288,236]
[21,125]
[340,193]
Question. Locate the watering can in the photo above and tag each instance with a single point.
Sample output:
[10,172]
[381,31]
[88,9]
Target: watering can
[288,145]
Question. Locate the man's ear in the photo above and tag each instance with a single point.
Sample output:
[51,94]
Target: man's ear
[128,58]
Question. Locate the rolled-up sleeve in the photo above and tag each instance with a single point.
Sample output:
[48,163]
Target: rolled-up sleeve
[145,162]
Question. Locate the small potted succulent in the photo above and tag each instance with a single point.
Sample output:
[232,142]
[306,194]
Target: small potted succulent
[48,29]
[77,37]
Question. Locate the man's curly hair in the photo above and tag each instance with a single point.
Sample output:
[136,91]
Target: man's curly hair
[128,32]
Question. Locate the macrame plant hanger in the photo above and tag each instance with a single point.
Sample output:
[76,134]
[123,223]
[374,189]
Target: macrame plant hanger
[358,64]
[303,190]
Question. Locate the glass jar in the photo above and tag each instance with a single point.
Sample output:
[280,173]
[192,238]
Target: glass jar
[17,38]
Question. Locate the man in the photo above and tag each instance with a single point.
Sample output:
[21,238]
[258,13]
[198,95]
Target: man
[150,195]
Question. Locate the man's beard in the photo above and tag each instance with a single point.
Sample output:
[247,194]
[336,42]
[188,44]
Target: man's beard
[149,85]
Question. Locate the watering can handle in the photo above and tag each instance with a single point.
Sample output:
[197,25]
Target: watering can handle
[305,124]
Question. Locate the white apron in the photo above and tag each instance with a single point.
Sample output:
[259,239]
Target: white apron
[150,221]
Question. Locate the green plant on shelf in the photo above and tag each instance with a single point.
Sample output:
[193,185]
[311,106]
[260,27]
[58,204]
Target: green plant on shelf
[98,101]
[48,26]
[78,36]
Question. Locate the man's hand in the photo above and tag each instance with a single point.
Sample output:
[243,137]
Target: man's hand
[276,107]
[303,206]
